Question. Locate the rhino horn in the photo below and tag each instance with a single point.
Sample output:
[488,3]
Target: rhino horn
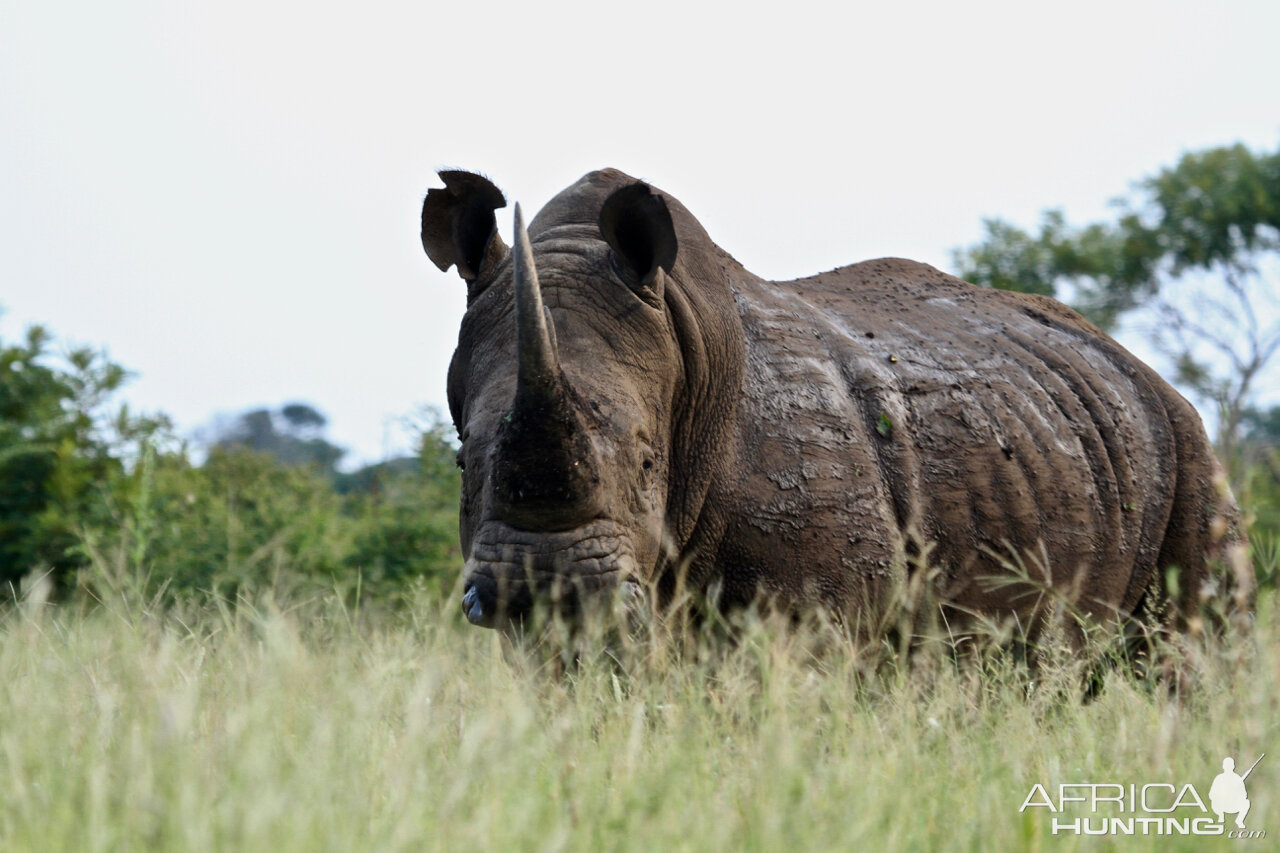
[538,371]
[545,458]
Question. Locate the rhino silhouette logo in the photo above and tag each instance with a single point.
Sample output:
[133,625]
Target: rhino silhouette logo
[1227,795]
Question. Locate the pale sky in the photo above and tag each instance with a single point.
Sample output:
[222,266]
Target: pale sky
[225,195]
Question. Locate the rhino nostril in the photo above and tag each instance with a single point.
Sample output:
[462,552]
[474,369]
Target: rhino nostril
[471,605]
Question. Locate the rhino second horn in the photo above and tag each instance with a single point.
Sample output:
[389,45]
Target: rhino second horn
[538,371]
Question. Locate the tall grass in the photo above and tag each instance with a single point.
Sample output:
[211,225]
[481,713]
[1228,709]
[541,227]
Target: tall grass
[258,726]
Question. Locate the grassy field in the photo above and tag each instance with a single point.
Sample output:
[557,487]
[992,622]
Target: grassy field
[256,727]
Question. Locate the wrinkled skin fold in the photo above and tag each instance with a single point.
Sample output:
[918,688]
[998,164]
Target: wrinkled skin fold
[638,412]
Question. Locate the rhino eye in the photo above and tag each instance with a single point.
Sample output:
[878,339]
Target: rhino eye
[459,461]
[647,465]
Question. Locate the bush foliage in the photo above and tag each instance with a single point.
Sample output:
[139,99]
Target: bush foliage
[93,495]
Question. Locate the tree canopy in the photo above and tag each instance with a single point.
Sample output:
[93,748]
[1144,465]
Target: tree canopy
[57,449]
[1214,211]
[293,435]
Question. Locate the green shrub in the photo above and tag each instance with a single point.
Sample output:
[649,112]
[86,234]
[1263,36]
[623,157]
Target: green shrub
[246,520]
[56,456]
[408,519]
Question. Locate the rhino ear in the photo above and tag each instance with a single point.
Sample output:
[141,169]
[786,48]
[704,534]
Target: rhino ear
[458,225]
[637,226]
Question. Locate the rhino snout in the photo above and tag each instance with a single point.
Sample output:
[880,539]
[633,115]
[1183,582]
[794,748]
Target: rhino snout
[510,571]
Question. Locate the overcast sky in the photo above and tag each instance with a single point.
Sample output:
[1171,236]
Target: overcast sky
[225,195]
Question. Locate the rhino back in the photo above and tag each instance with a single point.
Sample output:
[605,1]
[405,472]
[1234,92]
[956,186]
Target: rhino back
[889,407]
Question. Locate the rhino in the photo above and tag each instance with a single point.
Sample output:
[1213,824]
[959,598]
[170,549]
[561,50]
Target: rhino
[640,416]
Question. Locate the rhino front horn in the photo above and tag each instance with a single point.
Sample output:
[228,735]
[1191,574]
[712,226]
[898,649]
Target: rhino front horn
[544,462]
[538,371]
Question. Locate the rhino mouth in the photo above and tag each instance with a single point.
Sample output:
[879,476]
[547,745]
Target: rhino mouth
[511,571]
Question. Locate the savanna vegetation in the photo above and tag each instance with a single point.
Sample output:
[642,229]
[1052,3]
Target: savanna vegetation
[93,495]
[235,645]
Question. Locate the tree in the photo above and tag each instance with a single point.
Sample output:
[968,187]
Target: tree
[1193,245]
[293,436]
[59,453]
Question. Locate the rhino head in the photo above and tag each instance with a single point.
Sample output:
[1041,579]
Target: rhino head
[562,389]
